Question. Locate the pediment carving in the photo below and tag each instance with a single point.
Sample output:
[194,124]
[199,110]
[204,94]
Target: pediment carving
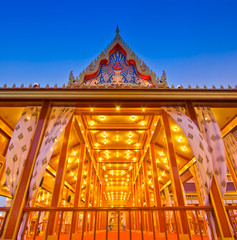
[117,65]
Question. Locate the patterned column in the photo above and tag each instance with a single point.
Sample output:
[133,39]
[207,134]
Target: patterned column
[15,214]
[175,178]
[216,199]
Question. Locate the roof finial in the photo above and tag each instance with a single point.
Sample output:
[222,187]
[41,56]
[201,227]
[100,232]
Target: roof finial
[117,30]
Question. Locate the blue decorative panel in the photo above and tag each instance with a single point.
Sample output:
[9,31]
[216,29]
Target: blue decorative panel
[117,71]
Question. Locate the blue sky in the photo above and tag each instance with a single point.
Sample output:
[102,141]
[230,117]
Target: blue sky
[195,42]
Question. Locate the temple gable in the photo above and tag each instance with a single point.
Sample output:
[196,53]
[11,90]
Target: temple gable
[117,65]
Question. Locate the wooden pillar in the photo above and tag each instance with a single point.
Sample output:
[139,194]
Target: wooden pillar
[231,170]
[175,178]
[87,196]
[93,198]
[59,182]
[98,204]
[137,193]
[77,197]
[88,184]
[157,187]
[102,204]
[2,170]
[132,204]
[216,199]
[141,197]
[15,214]
[148,203]
[140,190]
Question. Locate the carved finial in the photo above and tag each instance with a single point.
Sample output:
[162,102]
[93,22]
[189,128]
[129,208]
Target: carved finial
[189,86]
[205,87]
[213,87]
[197,87]
[22,85]
[222,87]
[56,86]
[229,87]
[71,77]
[14,85]
[64,86]
[117,30]
[5,85]
[47,86]
[163,77]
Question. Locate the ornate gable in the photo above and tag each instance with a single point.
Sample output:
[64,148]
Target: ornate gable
[117,65]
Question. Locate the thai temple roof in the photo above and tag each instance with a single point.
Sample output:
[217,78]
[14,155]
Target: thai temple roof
[117,66]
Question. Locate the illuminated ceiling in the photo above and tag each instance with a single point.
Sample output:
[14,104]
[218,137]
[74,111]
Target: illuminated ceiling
[117,140]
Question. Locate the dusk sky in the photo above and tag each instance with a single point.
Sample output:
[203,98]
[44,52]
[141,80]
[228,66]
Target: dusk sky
[195,42]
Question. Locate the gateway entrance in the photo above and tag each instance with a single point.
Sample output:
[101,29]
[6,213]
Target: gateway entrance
[117,154]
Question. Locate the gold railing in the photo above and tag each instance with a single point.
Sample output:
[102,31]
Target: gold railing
[232,214]
[111,223]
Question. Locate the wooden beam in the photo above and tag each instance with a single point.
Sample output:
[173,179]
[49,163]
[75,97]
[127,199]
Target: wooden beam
[157,187]
[229,126]
[77,196]
[80,136]
[137,203]
[59,180]
[88,184]
[148,202]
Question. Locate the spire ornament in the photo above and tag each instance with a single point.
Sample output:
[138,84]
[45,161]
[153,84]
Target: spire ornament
[117,30]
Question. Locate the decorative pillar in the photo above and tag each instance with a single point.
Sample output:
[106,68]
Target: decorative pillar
[175,180]
[59,183]
[216,199]
[19,200]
